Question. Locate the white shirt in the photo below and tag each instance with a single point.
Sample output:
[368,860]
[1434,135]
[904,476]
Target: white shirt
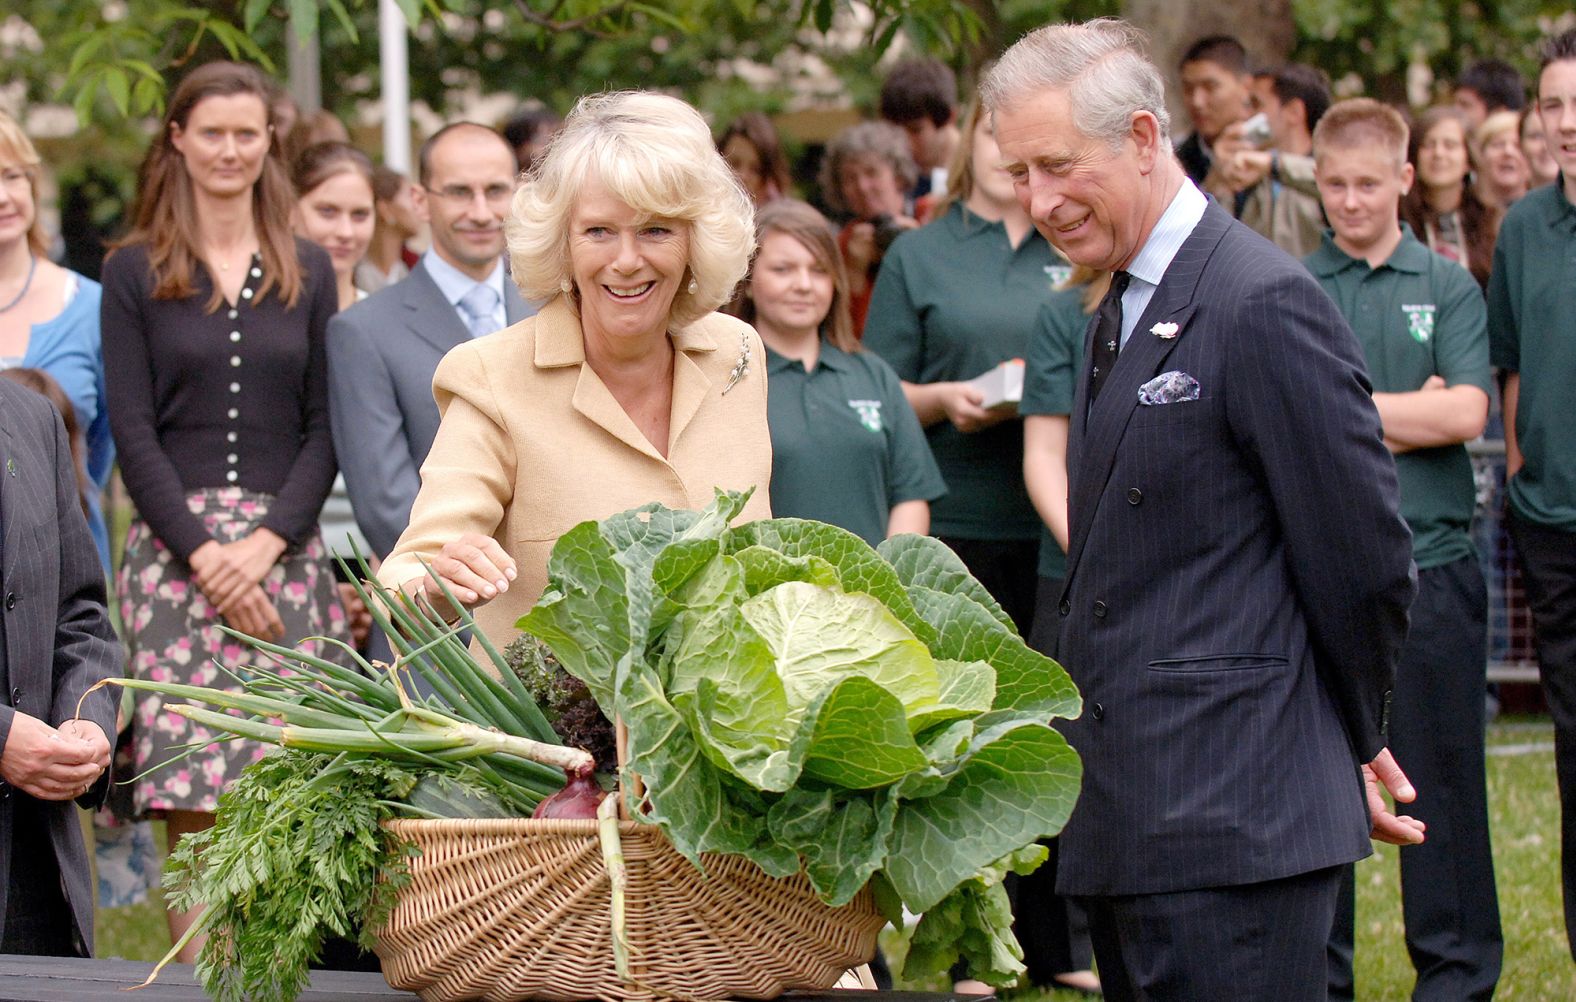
[1150,263]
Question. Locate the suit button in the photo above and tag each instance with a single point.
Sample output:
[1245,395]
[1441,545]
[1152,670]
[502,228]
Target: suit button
[10,600]
[16,696]
[1065,608]
[1099,610]
[1097,711]
[1134,495]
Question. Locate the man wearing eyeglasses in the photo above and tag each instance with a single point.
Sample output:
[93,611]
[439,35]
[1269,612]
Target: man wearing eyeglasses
[382,352]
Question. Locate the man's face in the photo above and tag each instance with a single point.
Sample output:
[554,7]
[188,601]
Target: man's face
[1262,98]
[928,141]
[1557,107]
[1215,96]
[1087,199]
[1472,105]
[466,198]
[1361,188]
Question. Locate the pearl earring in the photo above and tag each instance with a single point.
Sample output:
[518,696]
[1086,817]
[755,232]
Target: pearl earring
[693,288]
[566,286]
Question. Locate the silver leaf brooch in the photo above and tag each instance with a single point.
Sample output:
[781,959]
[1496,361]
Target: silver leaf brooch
[742,366]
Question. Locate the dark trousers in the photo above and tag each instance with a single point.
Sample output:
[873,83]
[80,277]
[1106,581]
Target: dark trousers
[1053,930]
[1448,898]
[1008,568]
[1256,941]
[38,920]
[1548,568]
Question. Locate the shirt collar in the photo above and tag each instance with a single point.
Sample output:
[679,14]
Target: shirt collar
[1409,256]
[1565,213]
[454,283]
[1170,233]
[830,356]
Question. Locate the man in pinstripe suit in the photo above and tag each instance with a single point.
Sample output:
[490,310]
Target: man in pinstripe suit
[55,643]
[1238,573]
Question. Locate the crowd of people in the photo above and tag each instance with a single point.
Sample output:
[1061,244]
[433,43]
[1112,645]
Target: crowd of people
[1236,467]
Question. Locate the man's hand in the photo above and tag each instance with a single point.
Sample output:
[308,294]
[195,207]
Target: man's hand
[1247,168]
[1387,827]
[53,764]
[357,615]
[91,733]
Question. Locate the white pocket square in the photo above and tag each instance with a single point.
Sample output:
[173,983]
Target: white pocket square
[1172,387]
[1165,330]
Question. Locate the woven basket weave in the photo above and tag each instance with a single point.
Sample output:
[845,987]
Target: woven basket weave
[519,909]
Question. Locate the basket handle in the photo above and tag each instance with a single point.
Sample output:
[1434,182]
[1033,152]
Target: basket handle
[637,789]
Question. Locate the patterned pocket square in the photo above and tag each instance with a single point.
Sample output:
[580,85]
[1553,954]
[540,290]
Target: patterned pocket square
[1172,387]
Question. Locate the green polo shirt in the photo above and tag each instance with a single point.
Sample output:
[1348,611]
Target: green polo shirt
[1050,377]
[1532,328]
[1417,315]
[953,300]
[846,446]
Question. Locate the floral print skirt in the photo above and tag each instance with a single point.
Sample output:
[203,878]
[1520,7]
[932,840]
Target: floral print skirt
[172,632]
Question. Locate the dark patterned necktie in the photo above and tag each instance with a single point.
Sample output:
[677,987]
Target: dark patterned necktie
[1107,333]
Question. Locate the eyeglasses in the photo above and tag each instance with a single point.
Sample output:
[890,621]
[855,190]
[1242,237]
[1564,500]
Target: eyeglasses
[459,196]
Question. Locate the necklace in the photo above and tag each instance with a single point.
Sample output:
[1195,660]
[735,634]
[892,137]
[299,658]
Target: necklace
[32,266]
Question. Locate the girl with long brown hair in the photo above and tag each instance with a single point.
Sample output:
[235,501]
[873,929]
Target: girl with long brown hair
[214,318]
[846,447]
[1443,207]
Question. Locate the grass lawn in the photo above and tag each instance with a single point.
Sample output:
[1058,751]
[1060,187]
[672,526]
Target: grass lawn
[1524,808]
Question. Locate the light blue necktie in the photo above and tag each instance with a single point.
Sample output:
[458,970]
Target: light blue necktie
[478,305]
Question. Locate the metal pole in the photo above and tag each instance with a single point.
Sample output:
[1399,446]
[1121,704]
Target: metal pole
[394,73]
[306,73]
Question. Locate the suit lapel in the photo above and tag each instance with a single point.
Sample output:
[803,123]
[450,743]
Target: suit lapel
[431,318]
[1096,431]
[10,548]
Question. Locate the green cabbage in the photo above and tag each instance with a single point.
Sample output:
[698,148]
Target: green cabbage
[799,698]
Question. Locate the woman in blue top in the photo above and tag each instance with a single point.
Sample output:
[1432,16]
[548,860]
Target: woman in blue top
[49,317]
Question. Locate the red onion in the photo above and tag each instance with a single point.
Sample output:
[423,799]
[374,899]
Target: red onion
[577,801]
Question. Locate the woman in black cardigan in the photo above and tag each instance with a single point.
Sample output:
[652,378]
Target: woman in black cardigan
[214,318]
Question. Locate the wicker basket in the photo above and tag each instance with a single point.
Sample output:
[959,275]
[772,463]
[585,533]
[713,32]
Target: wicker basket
[519,909]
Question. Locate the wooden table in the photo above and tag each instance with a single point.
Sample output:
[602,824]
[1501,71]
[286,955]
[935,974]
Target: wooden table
[65,979]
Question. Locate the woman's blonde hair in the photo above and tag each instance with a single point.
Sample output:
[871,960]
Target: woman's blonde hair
[655,154]
[17,148]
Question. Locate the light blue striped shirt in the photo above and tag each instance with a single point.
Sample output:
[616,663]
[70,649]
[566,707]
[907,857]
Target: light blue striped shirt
[1149,265]
[454,284]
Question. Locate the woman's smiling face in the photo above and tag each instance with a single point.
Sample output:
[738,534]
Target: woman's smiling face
[626,267]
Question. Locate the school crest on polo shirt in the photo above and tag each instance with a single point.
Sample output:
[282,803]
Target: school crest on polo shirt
[869,412]
[1058,274]
[1419,321]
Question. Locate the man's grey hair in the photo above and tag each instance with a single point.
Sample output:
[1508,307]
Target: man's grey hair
[1102,65]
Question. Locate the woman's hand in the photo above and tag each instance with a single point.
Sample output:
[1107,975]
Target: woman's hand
[961,402]
[252,612]
[474,568]
[225,570]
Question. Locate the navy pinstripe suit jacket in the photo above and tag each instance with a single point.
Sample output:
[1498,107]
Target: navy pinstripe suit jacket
[1238,578]
[58,638]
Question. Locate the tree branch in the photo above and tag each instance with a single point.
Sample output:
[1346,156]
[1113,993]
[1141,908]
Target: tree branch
[550,22]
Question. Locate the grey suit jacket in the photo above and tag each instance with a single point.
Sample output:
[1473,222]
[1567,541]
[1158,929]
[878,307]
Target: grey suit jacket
[382,353]
[1238,579]
[58,637]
